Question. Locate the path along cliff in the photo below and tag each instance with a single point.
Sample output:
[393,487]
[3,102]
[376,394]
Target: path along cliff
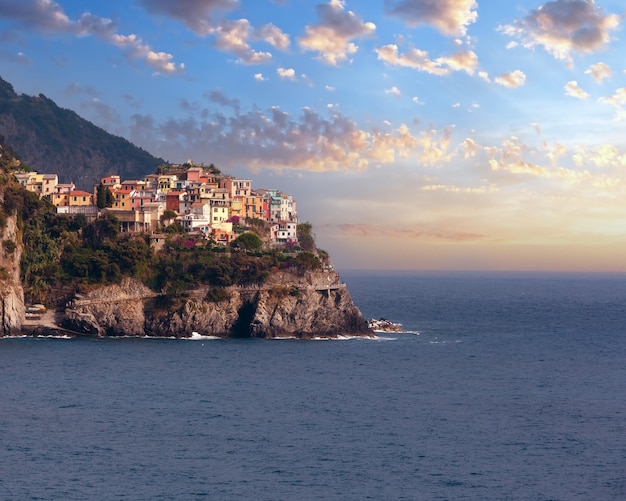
[316,304]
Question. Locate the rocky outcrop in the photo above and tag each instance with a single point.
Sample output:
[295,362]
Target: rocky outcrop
[384,325]
[286,305]
[11,290]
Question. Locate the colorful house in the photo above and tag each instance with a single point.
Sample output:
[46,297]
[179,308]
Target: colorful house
[78,198]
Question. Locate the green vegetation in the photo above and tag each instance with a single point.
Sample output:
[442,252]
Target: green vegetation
[247,242]
[305,236]
[64,252]
[104,197]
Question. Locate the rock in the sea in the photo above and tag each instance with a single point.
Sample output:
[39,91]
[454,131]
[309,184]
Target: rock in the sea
[384,325]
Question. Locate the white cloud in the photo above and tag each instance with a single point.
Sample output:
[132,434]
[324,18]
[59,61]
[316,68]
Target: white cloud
[286,73]
[273,36]
[332,37]
[572,89]
[617,101]
[450,17]
[274,139]
[485,76]
[511,79]
[599,71]
[233,36]
[564,26]
[419,59]
[161,62]
[48,17]
[197,15]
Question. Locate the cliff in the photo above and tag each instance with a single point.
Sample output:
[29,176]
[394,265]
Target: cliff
[286,305]
[11,290]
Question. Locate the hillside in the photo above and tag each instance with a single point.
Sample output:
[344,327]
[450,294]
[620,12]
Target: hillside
[54,139]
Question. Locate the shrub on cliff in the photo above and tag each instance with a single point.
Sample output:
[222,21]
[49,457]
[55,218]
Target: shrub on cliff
[307,261]
[247,242]
[306,239]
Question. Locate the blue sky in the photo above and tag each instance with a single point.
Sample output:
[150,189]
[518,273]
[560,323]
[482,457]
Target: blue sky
[414,134]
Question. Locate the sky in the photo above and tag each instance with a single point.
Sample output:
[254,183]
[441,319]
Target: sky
[413,134]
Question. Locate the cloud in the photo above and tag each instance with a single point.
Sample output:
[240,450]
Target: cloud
[201,17]
[259,77]
[388,231]
[470,148]
[394,90]
[618,101]
[452,188]
[47,17]
[332,37]
[217,96]
[197,15]
[419,60]
[523,163]
[75,88]
[572,89]
[450,17]
[233,36]
[105,113]
[564,26]
[17,58]
[605,155]
[272,35]
[286,73]
[274,139]
[511,79]
[599,71]
[161,62]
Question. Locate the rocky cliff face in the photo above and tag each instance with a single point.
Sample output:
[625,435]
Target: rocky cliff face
[11,290]
[287,305]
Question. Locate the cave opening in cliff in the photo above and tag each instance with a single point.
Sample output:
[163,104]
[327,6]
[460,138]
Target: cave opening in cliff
[242,328]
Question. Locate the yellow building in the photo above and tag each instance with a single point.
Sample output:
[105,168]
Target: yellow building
[167,182]
[254,207]
[122,200]
[80,198]
[237,207]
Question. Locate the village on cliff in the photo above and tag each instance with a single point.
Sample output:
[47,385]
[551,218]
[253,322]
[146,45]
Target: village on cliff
[203,201]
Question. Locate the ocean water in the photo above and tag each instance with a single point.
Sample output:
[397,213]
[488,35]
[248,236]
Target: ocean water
[504,386]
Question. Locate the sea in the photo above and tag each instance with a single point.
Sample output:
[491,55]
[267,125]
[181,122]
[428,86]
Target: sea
[501,386]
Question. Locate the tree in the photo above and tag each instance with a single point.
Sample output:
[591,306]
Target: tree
[104,197]
[168,215]
[248,242]
[104,228]
[307,261]
[305,236]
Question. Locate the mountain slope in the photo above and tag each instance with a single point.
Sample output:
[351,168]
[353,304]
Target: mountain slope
[56,140]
